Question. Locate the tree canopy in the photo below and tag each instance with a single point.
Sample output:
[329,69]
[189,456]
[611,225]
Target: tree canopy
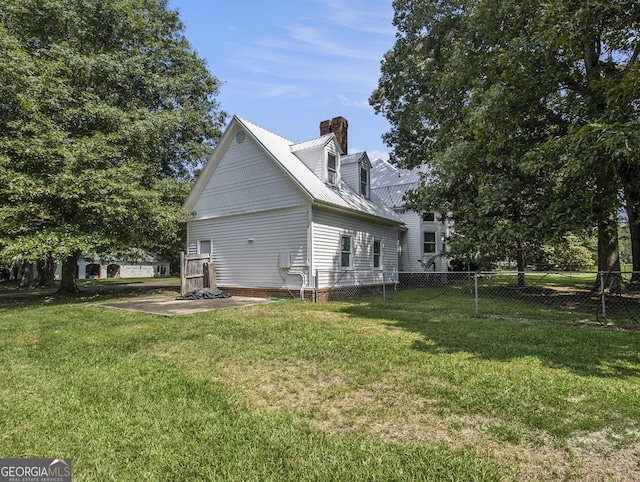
[105,109]
[527,113]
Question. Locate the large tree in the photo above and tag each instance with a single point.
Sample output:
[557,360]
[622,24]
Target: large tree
[524,109]
[104,107]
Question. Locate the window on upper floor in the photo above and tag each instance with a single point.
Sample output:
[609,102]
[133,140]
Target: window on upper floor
[364,182]
[332,170]
[429,217]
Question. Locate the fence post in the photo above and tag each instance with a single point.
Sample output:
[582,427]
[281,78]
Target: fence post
[475,277]
[315,286]
[604,304]
[384,291]
[183,275]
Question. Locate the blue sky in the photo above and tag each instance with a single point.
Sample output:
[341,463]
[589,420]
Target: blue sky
[289,65]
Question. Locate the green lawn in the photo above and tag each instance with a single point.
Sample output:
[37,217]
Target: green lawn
[336,391]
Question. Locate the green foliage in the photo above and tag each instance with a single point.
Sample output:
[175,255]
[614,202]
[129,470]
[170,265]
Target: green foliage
[527,114]
[105,111]
[568,254]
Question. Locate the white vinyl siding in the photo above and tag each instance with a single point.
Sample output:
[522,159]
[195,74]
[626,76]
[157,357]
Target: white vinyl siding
[246,180]
[357,174]
[329,227]
[314,159]
[350,174]
[411,247]
[413,242]
[247,248]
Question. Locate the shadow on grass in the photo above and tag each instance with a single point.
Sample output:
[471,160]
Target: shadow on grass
[586,349]
[621,308]
[89,292]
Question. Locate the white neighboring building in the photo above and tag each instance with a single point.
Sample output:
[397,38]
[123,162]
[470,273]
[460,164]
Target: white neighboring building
[422,245]
[146,266]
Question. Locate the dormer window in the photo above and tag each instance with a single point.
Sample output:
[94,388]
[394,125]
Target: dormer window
[364,181]
[332,170]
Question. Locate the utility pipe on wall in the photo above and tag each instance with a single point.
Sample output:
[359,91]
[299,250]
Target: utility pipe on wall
[304,281]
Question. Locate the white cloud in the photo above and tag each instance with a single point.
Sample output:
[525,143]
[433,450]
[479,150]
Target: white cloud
[269,90]
[280,90]
[366,16]
[355,104]
[317,39]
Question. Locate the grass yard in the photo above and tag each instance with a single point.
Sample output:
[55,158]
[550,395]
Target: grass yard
[336,391]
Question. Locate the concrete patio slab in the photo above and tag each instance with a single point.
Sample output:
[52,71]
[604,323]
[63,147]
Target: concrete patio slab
[168,306]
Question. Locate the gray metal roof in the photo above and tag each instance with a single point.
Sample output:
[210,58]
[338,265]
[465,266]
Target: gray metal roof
[351,158]
[317,142]
[390,183]
[342,197]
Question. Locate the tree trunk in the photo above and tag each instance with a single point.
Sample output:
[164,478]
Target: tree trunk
[520,264]
[69,270]
[632,197]
[27,279]
[46,272]
[608,253]
[634,231]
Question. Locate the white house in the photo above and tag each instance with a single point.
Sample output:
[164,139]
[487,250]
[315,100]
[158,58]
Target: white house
[422,244]
[279,216]
[142,265]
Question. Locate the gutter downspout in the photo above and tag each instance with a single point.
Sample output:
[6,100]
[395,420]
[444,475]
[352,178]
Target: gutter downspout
[310,250]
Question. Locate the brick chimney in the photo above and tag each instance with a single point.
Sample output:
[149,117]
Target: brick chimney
[339,126]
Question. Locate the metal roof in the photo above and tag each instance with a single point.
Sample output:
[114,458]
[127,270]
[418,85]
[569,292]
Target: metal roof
[313,143]
[281,149]
[390,183]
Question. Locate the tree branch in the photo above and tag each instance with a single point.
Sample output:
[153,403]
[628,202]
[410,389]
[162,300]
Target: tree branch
[634,56]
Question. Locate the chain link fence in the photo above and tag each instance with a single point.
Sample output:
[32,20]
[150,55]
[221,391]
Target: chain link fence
[606,297]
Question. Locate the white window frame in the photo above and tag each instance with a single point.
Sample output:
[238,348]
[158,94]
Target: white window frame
[349,252]
[332,172]
[378,255]
[433,243]
[364,192]
[200,241]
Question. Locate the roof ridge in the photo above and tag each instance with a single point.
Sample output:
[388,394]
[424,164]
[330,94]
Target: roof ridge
[247,121]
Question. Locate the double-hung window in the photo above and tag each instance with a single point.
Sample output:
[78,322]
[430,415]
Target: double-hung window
[332,170]
[346,254]
[429,245]
[364,182]
[377,253]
